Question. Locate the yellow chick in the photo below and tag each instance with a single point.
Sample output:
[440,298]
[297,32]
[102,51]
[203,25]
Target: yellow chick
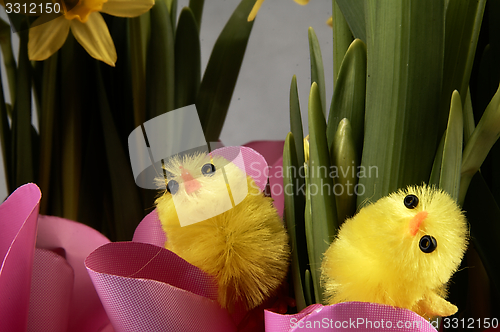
[400,251]
[216,218]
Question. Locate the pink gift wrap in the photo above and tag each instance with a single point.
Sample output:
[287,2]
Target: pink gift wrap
[44,285]
[348,316]
[148,288]
[18,223]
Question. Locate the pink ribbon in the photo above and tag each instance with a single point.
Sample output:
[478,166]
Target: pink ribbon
[68,243]
[46,288]
[348,316]
[148,288]
[18,216]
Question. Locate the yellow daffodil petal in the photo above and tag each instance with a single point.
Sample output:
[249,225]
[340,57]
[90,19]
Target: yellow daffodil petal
[127,8]
[258,4]
[45,39]
[330,21]
[95,38]
[83,9]
[255,10]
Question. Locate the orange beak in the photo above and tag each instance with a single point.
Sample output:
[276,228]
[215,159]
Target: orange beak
[190,183]
[416,221]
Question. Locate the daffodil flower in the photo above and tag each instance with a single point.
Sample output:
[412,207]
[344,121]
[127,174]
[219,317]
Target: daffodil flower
[330,21]
[86,24]
[257,5]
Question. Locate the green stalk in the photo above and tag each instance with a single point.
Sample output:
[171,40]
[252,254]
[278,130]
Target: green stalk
[342,38]
[8,58]
[296,231]
[139,41]
[71,142]
[348,100]
[317,70]
[484,136]
[47,121]
[187,59]
[6,141]
[197,8]
[160,65]
[449,179]
[345,160]
[324,222]
[21,120]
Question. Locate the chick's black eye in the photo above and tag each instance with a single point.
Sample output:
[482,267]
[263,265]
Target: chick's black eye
[208,169]
[172,186]
[427,244]
[411,201]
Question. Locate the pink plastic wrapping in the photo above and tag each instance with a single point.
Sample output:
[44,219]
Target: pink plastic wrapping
[44,285]
[148,288]
[348,316]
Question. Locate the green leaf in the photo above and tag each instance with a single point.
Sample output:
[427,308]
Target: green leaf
[469,124]
[463,23]
[140,33]
[187,60]
[309,288]
[160,65]
[298,181]
[8,57]
[486,82]
[354,13]
[342,38]
[173,14]
[73,93]
[483,216]
[449,179]
[480,143]
[438,161]
[6,142]
[222,71]
[127,210]
[405,39]
[296,123]
[197,8]
[294,211]
[172,10]
[312,274]
[348,100]
[21,119]
[322,200]
[317,71]
[47,121]
[345,162]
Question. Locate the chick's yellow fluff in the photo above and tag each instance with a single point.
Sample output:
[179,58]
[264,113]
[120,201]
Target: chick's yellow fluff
[376,256]
[245,248]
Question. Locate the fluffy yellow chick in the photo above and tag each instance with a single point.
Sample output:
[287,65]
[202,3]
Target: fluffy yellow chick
[244,246]
[400,251]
